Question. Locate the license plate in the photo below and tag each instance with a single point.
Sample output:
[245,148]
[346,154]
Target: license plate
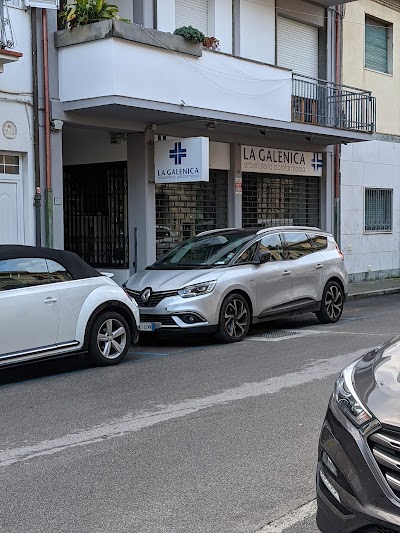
[147,326]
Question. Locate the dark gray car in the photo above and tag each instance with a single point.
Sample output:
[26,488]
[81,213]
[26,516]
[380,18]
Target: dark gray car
[358,473]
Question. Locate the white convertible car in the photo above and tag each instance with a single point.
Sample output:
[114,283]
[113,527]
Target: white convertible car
[52,303]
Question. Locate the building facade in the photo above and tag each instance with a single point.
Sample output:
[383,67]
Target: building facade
[370,172]
[268,102]
[17,167]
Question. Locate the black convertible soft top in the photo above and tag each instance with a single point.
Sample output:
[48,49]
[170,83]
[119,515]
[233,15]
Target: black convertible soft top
[70,261]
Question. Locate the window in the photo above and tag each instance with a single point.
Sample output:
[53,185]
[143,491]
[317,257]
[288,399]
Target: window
[192,13]
[298,245]
[320,242]
[378,210]
[378,45]
[273,244]
[9,164]
[248,255]
[57,272]
[21,273]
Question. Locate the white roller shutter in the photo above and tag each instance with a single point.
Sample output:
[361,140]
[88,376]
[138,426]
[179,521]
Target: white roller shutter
[297,47]
[192,13]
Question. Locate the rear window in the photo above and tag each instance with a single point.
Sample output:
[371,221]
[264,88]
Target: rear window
[319,241]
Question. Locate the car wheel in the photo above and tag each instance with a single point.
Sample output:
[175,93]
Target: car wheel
[234,320]
[332,303]
[109,340]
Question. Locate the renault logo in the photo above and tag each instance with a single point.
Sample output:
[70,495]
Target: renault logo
[145,296]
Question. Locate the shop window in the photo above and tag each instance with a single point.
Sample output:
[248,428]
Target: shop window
[378,210]
[378,45]
[186,209]
[280,201]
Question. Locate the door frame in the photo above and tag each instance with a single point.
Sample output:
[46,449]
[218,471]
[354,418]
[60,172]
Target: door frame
[17,180]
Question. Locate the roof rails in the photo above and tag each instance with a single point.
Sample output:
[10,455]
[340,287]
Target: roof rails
[281,228]
[209,232]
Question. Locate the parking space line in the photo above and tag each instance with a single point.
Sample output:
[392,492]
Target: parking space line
[291,519]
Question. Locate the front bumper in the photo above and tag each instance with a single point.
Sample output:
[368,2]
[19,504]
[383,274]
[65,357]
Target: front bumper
[365,499]
[197,314]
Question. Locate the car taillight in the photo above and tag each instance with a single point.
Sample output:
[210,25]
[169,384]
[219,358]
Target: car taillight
[339,252]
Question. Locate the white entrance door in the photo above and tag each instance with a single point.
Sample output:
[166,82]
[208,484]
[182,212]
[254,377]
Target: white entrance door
[10,200]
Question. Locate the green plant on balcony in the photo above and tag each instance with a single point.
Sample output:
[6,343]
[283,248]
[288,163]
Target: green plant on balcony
[190,34]
[84,12]
[196,36]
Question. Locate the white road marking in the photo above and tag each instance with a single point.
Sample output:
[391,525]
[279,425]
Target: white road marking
[291,519]
[133,422]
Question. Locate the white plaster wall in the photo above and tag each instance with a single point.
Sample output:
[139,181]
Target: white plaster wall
[213,81]
[166,15]
[220,23]
[15,100]
[257,30]
[372,164]
[125,8]
[83,146]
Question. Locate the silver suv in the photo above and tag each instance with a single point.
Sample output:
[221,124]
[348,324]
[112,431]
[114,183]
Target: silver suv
[222,281]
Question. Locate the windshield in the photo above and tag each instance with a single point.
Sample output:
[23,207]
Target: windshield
[205,251]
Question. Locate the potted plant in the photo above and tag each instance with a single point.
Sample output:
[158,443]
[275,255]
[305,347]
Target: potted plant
[196,36]
[85,12]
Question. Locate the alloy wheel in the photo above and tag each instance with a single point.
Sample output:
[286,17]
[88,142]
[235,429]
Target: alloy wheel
[236,318]
[334,302]
[111,338]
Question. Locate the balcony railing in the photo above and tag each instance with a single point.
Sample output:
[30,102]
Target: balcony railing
[327,104]
[7,39]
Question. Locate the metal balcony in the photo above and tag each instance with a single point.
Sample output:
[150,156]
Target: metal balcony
[324,103]
[7,39]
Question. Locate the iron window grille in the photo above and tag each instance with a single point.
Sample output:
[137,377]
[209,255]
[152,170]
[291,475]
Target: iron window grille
[280,201]
[185,209]
[378,210]
[96,213]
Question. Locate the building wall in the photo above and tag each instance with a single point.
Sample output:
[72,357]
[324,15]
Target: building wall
[384,86]
[16,106]
[372,164]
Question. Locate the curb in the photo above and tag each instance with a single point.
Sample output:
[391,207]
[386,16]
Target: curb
[371,294]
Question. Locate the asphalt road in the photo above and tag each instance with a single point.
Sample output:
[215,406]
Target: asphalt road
[184,436]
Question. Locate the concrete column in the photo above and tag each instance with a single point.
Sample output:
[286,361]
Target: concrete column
[141,201]
[57,186]
[234,188]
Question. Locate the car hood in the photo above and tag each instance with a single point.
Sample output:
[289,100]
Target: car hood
[377,382]
[169,280]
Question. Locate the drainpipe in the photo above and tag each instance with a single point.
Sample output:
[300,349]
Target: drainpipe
[38,196]
[337,146]
[48,195]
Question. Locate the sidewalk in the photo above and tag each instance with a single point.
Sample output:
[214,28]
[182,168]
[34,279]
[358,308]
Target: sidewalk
[366,289]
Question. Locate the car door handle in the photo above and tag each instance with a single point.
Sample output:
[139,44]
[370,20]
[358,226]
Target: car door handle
[318,267]
[286,273]
[50,300]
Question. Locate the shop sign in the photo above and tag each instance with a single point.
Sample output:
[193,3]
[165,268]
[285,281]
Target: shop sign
[182,160]
[278,161]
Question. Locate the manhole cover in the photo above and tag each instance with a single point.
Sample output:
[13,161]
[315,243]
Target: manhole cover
[278,335]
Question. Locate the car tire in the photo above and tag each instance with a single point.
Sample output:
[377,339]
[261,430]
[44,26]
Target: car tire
[331,304]
[109,339]
[234,319]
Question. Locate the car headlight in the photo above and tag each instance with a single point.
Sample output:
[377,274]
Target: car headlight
[197,290]
[347,399]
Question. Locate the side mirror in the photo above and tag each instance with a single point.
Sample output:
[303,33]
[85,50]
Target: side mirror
[264,257]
